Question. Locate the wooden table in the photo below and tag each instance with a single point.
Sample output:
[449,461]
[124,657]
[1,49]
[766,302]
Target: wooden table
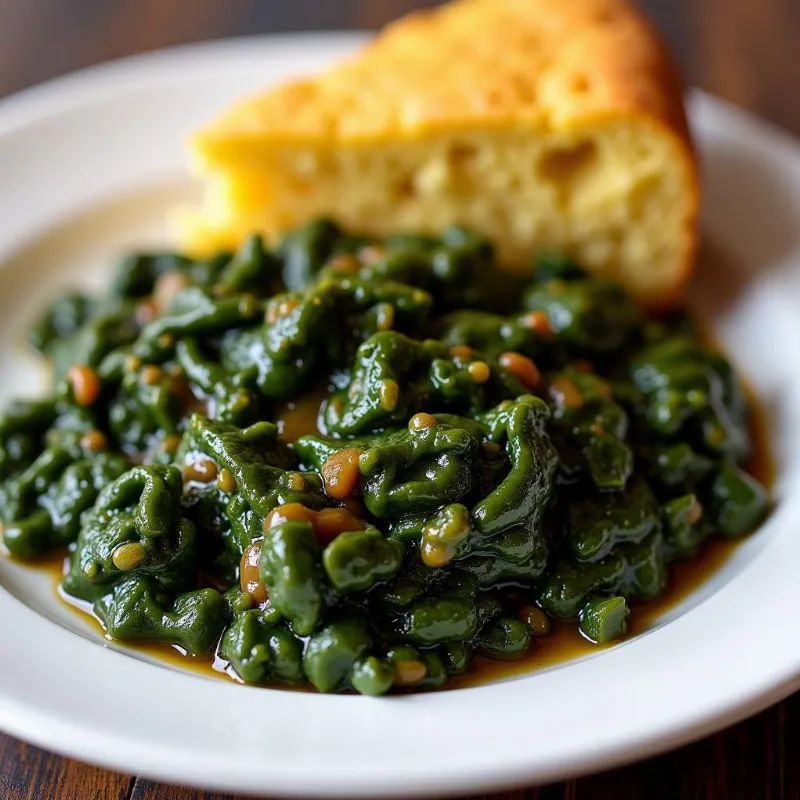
[743,50]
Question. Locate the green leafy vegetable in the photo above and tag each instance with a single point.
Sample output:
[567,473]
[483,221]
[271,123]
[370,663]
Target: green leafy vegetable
[357,464]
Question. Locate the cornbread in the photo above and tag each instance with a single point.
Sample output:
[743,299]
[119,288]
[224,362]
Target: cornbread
[538,123]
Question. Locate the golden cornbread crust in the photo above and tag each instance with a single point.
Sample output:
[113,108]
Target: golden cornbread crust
[544,66]
[550,63]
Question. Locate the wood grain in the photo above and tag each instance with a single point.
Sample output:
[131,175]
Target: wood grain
[743,50]
[147,790]
[28,773]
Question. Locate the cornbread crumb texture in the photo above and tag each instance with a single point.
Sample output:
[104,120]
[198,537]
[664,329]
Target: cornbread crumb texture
[539,123]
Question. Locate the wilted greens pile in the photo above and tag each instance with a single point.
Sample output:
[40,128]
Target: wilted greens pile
[490,454]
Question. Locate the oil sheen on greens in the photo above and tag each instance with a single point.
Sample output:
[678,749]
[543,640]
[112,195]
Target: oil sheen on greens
[490,454]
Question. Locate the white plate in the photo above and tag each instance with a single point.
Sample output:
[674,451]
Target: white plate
[88,166]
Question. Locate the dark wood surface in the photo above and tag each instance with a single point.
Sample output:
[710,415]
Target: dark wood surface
[743,50]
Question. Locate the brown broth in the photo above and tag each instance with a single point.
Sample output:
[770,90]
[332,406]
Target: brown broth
[563,643]
[208,664]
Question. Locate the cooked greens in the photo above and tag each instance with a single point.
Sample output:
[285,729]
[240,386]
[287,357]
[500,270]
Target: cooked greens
[489,454]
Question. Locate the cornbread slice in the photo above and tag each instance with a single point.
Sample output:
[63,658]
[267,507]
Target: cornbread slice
[539,123]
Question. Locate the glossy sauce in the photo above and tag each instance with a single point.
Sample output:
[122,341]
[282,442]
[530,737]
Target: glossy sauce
[563,643]
[207,664]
